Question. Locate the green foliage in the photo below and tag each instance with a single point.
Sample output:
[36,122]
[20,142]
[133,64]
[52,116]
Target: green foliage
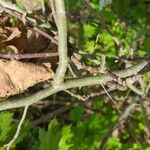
[65,142]
[5,127]
[76,114]
[51,138]
[55,137]
[114,143]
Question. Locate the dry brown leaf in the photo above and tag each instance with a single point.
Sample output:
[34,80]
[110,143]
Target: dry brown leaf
[17,37]
[16,76]
[15,34]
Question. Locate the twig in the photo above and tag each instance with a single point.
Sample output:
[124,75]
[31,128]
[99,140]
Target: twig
[147,88]
[46,117]
[97,15]
[62,43]
[110,96]
[144,114]
[18,128]
[86,97]
[76,95]
[121,118]
[45,34]
[135,89]
[81,66]
[27,56]
[142,84]
[95,94]
[52,2]
[101,79]
[71,71]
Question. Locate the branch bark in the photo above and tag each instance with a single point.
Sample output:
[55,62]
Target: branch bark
[62,42]
[101,79]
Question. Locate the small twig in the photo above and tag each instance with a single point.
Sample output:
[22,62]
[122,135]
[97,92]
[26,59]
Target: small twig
[110,96]
[46,117]
[144,114]
[71,71]
[142,84]
[97,15]
[81,66]
[135,89]
[121,118]
[76,95]
[52,2]
[45,34]
[28,55]
[95,94]
[18,128]
[147,88]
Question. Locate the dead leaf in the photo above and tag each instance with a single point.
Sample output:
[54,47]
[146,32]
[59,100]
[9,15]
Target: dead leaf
[16,76]
[15,34]
[17,37]
[36,42]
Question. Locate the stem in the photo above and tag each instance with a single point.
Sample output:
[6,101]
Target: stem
[62,42]
[28,56]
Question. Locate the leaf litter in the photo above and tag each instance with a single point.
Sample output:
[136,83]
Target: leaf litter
[17,76]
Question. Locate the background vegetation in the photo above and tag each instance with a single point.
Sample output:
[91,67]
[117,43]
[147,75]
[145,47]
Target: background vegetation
[66,122]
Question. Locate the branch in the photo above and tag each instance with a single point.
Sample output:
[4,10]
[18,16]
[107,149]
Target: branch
[69,105]
[28,55]
[101,79]
[62,42]
[18,128]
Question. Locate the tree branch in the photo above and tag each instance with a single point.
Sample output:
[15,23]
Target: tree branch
[101,79]
[28,55]
[62,42]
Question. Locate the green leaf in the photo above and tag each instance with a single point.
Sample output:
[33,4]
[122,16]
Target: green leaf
[65,141]
[147,45]
[89,30]
[49,140]
[5,126]
[113,143]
